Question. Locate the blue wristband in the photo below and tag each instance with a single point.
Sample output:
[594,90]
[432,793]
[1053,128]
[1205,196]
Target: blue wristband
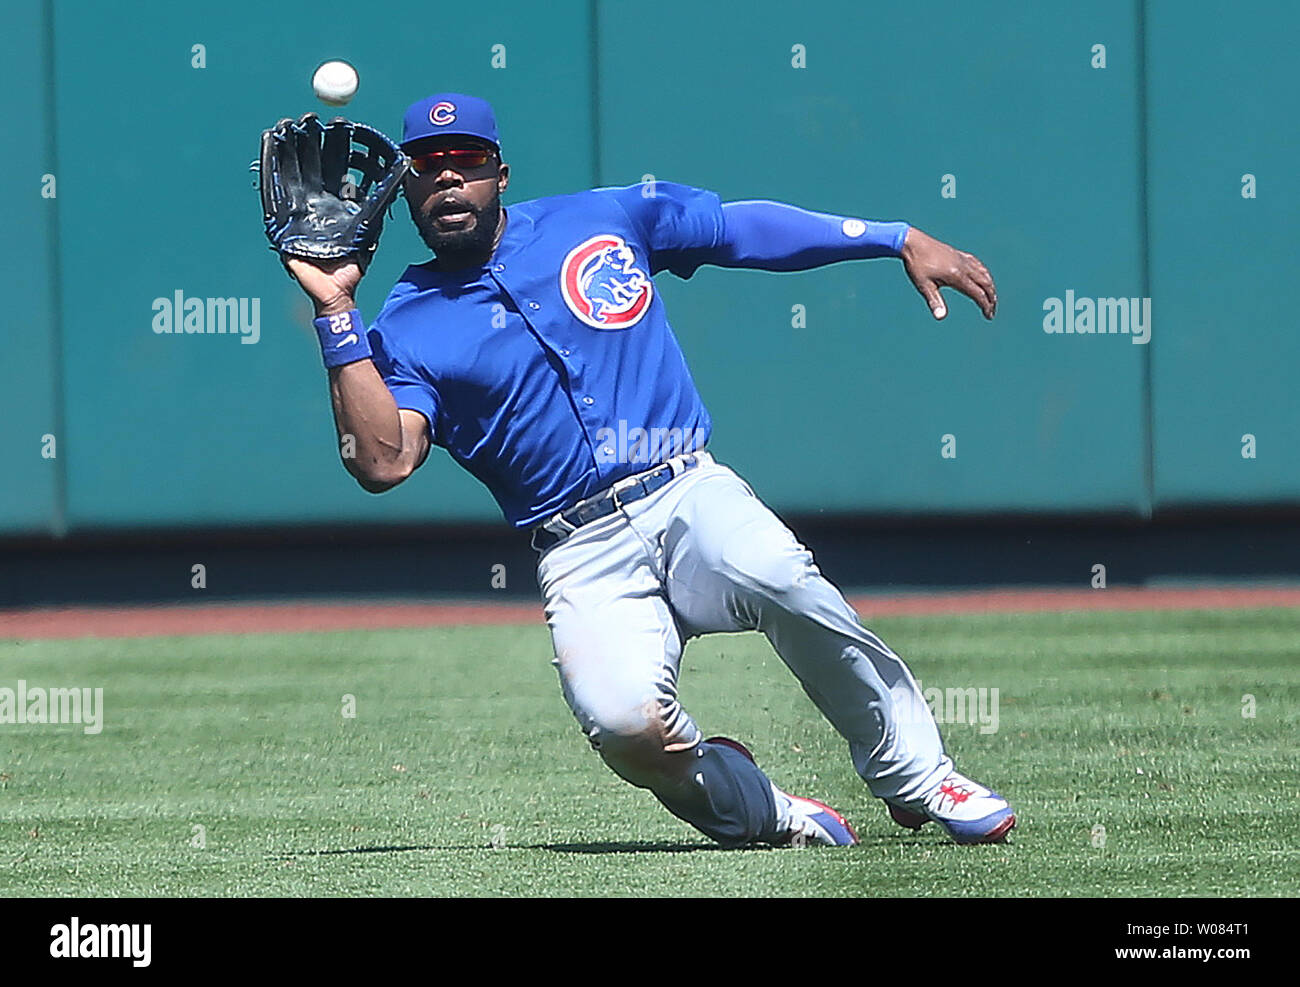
[342,338]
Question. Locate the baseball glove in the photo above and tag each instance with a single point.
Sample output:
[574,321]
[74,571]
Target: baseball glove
[312,204]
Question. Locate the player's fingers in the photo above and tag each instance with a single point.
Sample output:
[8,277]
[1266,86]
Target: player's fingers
[930,292]
[979,294]
[985,280]
[990,292]
[977,283]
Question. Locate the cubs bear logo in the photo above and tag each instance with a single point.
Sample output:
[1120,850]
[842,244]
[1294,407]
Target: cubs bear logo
[603,286]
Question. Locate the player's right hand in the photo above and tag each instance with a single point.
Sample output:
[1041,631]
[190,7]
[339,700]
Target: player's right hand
[331,284]
[932,264]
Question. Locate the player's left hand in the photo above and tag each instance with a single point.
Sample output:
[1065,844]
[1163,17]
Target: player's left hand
[312,205]
[932,264]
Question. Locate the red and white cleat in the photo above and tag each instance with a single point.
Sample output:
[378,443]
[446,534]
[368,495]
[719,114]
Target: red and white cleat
[969,812]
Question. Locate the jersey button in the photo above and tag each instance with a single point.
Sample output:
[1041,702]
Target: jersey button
[499,268]
[564,352]
[588,400]
[534,306]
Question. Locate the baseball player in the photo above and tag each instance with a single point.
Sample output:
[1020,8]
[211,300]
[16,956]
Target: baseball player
[535,349]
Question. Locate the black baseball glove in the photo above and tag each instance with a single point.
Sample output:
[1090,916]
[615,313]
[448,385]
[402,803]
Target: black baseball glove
[312,204]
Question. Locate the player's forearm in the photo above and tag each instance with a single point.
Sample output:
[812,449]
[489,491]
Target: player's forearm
[372,444]
[773,236]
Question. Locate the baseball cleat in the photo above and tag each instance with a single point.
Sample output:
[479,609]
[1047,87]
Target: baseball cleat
[969,812]
[814,822]
[906,818]
[811,821]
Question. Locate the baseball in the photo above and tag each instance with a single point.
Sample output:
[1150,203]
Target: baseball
[335,83]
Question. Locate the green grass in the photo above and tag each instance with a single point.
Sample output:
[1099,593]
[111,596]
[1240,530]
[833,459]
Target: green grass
[1132,722]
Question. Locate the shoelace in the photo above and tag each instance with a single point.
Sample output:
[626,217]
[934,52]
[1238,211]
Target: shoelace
[953,791]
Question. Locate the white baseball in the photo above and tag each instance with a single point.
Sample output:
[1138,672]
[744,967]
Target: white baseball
[335,83]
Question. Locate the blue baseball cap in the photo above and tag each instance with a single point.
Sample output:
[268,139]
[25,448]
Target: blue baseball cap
[450,113]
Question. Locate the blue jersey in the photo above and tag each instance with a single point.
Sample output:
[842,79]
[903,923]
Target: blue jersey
[551,372]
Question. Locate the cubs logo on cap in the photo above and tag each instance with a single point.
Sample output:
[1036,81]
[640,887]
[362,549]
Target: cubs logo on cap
[450,113]
[442,113]
[602,284]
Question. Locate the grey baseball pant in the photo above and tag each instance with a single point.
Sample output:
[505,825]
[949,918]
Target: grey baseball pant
[703,554]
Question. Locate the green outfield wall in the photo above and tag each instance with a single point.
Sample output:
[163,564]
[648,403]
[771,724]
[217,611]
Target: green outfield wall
[31,486]
[1124,165]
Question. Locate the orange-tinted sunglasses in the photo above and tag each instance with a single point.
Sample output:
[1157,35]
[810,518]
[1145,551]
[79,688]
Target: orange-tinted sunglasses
[457,159]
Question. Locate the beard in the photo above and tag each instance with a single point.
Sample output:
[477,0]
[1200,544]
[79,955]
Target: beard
[472,242]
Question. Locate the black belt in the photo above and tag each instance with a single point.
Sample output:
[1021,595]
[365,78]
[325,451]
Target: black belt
[626,491]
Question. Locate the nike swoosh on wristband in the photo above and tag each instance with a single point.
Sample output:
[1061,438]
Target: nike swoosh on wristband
[349,338]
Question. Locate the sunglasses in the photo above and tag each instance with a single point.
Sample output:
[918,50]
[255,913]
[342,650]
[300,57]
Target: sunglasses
[457,159]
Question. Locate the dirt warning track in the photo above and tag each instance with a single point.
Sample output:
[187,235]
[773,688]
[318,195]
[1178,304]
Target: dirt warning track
[261,618]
